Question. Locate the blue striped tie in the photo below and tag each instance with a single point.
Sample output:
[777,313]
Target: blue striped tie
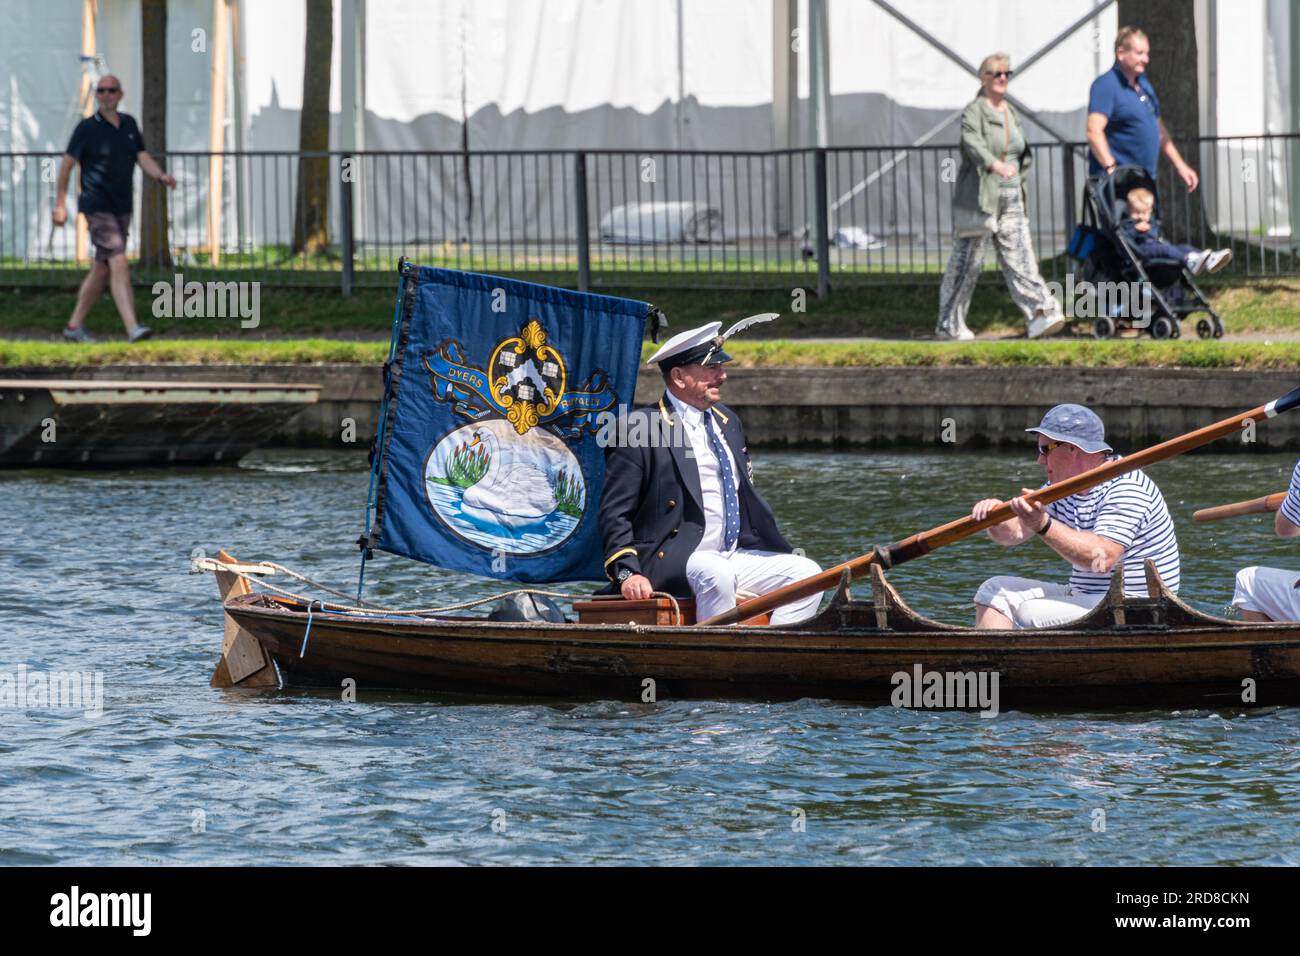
[730,501]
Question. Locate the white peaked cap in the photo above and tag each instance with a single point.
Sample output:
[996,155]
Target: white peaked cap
[683,343]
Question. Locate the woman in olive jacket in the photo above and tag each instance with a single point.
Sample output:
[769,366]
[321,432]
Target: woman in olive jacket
[989,203]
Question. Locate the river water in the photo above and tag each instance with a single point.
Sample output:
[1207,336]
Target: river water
[173,772]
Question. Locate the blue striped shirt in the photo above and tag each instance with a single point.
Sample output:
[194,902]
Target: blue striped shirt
[1129,510]
[1291,503]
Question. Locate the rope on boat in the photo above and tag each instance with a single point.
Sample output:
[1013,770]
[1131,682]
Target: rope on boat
[302,651]
[370,608]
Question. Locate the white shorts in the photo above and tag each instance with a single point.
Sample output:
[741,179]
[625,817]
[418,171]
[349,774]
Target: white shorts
[1034,604]
[1269,591]
[716,577]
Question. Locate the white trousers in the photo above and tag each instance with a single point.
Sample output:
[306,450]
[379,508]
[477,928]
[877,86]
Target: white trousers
[1033,604]
[1269,591]
[716,577]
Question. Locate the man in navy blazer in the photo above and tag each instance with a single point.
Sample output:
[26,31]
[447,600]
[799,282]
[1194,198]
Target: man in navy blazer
[679,512]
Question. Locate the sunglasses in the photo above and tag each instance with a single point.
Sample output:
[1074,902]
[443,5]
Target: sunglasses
[1045,450]
[1001,74]
[108,89]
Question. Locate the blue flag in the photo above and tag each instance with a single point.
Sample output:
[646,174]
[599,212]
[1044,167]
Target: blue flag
[488,458]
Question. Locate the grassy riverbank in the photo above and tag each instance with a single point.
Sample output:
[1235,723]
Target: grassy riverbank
[889,310]
[775,353]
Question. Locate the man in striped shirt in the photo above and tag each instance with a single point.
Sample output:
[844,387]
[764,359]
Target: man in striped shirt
[1269,594]
[1122,521]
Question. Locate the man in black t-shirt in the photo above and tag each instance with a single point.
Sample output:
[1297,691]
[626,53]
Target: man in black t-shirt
[107,145]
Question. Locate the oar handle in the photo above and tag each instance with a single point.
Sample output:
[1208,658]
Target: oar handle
[1254,506]
[923,543]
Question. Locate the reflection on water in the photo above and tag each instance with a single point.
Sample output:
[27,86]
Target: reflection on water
[96,581]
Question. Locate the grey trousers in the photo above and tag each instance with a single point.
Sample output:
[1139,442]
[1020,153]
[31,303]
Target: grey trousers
[1015,249]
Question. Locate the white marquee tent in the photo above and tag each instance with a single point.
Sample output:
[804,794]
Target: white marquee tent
[622,74]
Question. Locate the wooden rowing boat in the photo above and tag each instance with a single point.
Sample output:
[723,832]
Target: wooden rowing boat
[1126,651]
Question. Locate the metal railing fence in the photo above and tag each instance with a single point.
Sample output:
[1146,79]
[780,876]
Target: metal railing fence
[591,218]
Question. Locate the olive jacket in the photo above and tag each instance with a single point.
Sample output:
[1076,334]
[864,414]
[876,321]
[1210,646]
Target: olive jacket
[982,138]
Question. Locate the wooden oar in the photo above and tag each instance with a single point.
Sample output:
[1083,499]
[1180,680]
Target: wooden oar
[923,543]
[1252,507]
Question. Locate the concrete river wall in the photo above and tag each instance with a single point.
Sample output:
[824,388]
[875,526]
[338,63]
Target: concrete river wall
[838,407]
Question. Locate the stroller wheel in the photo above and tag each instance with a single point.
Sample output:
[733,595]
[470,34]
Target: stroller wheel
[1178,331]
[1218,328]
[1162,327]
[1204,328]
[1103,328]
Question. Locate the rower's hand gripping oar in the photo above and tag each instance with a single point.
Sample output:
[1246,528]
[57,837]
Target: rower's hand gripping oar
[924,542]
[1252,507]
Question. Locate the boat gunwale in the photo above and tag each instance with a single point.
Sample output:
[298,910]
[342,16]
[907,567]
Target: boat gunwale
[1232,635]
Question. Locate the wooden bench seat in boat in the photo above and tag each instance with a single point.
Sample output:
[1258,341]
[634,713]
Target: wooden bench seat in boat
[661,611]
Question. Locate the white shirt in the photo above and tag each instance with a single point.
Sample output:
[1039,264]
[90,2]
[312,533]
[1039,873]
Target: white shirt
[1291,503]
[715,514]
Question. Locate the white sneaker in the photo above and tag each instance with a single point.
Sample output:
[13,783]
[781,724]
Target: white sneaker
[140,332]
[962,335]
[1196,261]
[1043,325]
[1217,259]
[79,335]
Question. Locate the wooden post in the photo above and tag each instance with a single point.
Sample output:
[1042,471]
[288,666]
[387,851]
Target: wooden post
[243,662]
[87,109]
[219,52]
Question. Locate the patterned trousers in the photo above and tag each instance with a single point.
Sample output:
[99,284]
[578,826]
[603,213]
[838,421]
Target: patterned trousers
[1015,249]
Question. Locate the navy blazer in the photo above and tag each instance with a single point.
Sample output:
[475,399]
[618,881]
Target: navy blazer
[651,508]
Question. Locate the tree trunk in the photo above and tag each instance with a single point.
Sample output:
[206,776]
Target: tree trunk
[311,215]
[155,247]
[1173,72]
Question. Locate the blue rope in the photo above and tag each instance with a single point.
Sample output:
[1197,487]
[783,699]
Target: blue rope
[379,440]
[305,634]
[361,575]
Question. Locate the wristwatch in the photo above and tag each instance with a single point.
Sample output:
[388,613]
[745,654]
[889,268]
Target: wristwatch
[624,574]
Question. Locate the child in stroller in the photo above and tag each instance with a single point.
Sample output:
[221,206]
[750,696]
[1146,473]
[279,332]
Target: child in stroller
[1143,230]
[1110,247]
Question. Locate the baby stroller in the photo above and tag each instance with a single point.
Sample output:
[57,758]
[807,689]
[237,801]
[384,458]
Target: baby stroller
[1103,254]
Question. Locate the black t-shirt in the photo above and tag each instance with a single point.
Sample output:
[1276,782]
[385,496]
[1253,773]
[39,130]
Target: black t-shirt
[107,156]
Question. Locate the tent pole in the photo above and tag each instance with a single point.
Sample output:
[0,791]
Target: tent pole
[785,104]
[238,125]
[217,124]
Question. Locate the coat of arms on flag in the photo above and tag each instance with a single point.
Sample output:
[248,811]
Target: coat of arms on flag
[488,458]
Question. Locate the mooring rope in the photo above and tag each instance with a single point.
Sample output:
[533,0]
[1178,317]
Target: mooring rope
[370,608]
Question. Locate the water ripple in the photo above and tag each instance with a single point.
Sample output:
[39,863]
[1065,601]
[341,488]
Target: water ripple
[175,773]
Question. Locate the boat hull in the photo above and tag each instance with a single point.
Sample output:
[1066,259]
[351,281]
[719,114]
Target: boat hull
[842,654]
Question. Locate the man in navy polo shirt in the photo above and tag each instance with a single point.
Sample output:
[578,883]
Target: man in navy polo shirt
[107,145]
[1124,125]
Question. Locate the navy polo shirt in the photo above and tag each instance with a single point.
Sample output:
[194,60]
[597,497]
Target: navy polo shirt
[1132,130]
[107,155]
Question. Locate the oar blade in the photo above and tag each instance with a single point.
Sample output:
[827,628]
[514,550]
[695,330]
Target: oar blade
[1287,402]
